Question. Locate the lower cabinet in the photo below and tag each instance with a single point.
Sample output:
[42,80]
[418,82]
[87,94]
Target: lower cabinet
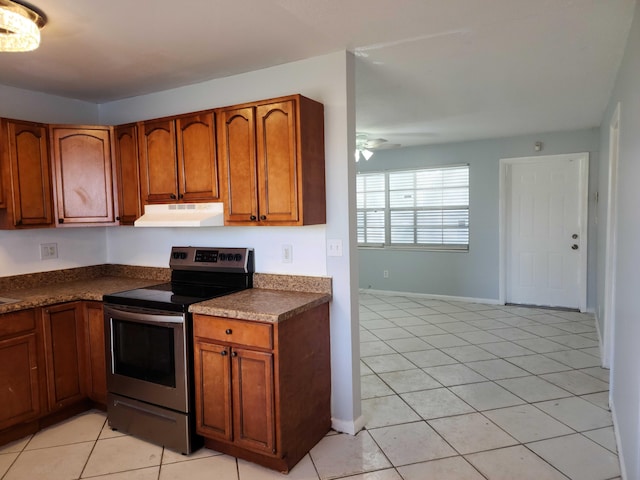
[64,350]
[263,390]
[235,380]
[52,362]
[96,375]
[19,367]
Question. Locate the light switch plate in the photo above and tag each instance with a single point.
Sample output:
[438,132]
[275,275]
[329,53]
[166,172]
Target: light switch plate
[334,248]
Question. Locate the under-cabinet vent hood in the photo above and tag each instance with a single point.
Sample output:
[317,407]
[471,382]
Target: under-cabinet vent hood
[182,215]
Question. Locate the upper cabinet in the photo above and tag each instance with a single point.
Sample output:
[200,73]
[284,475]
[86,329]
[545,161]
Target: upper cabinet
[84,174]
[272,159]
[128,177]
[25,185]
[270,154]
[178,159]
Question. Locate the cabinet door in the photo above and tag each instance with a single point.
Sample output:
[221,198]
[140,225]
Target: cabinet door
[19,394]
[96,378]
[253,400]
[128,175]
[158,170]
[197,166]
[64,351]
[29,175]
[237,155]
[84,174]
[277,162]
[212,390]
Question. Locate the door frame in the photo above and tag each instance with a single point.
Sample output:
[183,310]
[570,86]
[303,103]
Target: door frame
[583,201]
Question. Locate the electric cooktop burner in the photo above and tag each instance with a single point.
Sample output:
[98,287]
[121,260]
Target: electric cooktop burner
[167,297]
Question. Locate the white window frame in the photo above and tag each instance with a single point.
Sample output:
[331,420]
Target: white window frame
[386,209]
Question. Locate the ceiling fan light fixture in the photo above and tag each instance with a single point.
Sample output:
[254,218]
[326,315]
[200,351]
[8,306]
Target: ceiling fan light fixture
[367,154]
[19,27]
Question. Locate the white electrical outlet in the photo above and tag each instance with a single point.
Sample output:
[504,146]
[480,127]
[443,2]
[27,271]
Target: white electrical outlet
[385,273]
[48,251]
[287,254]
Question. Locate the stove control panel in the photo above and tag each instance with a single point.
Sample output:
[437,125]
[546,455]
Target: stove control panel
[212,259]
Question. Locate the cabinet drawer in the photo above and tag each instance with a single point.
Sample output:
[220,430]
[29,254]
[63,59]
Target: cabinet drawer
[17,322]
[252,334]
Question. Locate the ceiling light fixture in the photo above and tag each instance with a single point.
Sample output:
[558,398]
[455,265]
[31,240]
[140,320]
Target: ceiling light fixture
[20,26]
[367,154]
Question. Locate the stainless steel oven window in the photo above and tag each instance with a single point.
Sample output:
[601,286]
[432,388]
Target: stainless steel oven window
[129,340]
[144,351]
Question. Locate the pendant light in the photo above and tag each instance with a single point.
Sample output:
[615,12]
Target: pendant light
[20,26]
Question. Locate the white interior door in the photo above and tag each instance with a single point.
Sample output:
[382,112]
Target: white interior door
[545,200]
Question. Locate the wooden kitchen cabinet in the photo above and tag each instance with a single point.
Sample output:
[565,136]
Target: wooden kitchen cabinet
[128,173]
[64,346]
[178,159]
[19,368]
[271,156]
[263,390]
[84,171]
[95,352]
[241,381]
[25,183]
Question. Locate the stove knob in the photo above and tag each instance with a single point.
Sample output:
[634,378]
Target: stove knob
[222,257]
[238,257]
[176,255]
[183,255]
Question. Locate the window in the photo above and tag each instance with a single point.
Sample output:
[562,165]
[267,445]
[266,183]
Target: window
[414,208]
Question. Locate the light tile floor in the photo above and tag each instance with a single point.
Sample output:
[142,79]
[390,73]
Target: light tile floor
[451,391]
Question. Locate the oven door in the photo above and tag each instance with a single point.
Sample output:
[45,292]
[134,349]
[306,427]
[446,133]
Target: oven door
[146,353]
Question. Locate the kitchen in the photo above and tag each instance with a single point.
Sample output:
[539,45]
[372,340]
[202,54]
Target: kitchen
[327,79]
[149,247]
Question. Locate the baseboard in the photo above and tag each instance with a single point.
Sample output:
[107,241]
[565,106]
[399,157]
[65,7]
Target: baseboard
[623,472]
[391,293]
[348,426]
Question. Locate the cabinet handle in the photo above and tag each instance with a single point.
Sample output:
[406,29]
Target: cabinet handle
[224,353]
[172,196]
[181,196]
[234,354]
[118,218]
[228,331]
[61,220]
[263,217]
[252,218]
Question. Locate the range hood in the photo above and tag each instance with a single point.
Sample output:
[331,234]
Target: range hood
[182,215]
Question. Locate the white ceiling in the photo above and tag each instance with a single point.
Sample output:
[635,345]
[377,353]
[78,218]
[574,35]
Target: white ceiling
[427,71]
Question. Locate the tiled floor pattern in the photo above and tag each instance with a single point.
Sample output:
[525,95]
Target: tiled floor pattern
[451,391]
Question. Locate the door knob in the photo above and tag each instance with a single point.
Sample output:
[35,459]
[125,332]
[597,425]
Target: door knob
[574,247]
[574,236]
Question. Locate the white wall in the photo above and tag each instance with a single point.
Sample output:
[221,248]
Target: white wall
[625,368]
[77,247]
[40,107]
[328,79]
[473,274]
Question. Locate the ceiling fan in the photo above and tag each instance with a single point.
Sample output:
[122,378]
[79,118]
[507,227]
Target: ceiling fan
[365,146]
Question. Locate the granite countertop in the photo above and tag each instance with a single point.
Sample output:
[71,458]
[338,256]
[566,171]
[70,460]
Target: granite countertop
[274,297]
[77,290]
[261,305]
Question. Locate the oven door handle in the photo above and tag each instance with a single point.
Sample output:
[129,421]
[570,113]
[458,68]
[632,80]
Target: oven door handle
[142,317]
